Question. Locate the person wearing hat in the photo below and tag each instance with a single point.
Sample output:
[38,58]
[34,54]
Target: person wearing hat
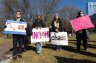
[56,27]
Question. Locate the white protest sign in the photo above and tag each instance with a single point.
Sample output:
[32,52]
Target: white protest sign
[59,38]
[40,35]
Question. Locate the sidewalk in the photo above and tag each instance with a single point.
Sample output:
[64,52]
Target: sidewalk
[5,53]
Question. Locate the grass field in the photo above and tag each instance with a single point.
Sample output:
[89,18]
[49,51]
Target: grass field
[68,54]
[4,40]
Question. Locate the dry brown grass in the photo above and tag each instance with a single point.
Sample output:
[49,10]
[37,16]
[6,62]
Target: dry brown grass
[68,54]
[4,39]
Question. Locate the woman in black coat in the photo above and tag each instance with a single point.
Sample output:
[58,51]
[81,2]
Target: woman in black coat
[57,27]
[81,35]
[56,20]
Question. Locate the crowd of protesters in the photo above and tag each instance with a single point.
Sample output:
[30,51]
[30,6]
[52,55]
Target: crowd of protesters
[20,42]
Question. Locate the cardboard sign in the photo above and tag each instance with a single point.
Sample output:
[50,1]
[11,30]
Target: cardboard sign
[81,23]
[59,38]
[40,35]
[14,27]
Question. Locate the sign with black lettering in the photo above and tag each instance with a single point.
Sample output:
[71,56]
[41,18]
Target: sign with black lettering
[59,38]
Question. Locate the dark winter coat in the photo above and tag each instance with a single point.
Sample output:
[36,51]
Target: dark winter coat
[53,26]
[36,23]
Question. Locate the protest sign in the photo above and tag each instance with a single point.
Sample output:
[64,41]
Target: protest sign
[40,35]
[14,27]
[59,38]
[81,23]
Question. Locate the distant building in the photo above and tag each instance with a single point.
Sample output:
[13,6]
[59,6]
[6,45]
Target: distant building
[91,8]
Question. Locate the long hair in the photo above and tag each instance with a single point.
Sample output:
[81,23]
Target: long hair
[56,19]
[37,17]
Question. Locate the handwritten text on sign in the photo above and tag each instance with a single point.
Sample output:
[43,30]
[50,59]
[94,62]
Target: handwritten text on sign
[81,23]
[59,38]
[40,35]
[14,27]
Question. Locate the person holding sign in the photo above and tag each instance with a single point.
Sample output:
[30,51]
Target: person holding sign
[57,27]
[38,23]
[81,35]
[18,39]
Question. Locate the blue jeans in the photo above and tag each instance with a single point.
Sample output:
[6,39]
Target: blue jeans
[38,47]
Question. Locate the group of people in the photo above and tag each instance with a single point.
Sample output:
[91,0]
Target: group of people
[56,26]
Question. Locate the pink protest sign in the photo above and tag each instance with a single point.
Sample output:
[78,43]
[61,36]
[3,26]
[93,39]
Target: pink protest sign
[81,23]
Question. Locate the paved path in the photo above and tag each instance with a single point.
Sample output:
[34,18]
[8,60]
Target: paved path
[5,53]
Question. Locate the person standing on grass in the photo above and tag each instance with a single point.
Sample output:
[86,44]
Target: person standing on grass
[18,39]
[56,27]
[38,23]
[81,35]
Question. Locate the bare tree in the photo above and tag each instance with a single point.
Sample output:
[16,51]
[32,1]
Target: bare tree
[29,8]
[68,13]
